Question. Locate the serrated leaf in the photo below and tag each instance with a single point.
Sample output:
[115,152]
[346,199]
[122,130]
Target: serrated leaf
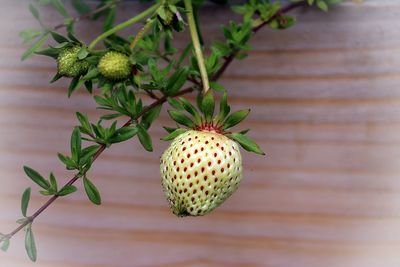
[235,118]
[180,118]
[208,105]
[174,134]
[66,190]
[30,245]
[144,138]
[26,196]
[246,143]
[91,191]
[35,47]
[37,178]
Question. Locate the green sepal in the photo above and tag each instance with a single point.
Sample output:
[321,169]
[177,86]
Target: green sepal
[55,78]
[175,103]
[208,106]
[191,109]
[58,37]
[246,143]
[180,118]
[50,52]
[235,118]
[174,134]
[169,129]
[224,109]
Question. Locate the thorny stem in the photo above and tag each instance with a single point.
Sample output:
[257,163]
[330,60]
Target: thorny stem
[196,44]
[156,103]
[89,14]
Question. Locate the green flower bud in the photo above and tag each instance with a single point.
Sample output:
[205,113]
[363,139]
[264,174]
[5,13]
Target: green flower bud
[68,63]
[115,66]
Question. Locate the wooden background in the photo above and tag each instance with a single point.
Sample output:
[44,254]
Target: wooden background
[326,108]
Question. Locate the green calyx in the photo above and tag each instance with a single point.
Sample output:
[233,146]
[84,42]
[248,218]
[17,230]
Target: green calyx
[115,66]
[68,63]
[204,119]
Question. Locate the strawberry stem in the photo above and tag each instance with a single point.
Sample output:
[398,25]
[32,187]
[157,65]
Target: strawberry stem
[196,44]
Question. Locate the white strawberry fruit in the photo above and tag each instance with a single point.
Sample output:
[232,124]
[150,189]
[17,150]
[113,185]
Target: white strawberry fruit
[203,166]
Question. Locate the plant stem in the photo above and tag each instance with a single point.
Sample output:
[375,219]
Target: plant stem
[156,103]
[146,13]
[196,44]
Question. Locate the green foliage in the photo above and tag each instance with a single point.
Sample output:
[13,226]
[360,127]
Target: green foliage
[130,70]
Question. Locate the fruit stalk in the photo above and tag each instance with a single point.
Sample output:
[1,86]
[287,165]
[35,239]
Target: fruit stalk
[196,44]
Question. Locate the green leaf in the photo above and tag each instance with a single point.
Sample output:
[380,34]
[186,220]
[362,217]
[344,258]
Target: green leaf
[5,244]
[30,244]
[123,134]
[50,52]
[174,134]
[87,154]
[58,37]
[150,116]
[26,196]
[66,190]
[208,105]
[174,103]
[189,107]
[322,5]
[235,118]
[35,47]
[83,53]
[177,80]
[35,13]
[76,144]
[29,34]
[144,138]
[217,87]
[37,178]
[85,125]
[180,118]
[80,6]
[109,20]
[91,191]
[59,6]
[246,143]
[53,183]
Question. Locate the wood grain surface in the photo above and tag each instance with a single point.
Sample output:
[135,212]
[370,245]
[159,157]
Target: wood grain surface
[325,101]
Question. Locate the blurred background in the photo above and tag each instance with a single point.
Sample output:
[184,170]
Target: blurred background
[325,101]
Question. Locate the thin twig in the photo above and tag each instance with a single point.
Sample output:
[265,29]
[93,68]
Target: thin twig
[156,103]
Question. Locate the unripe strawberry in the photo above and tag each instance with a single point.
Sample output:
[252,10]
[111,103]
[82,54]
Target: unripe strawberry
[68,63]
[200,170]
[115,66]
[203,166]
